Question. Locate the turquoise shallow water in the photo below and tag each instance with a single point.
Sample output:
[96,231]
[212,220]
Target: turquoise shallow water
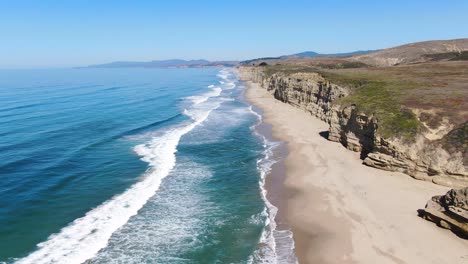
[130,166]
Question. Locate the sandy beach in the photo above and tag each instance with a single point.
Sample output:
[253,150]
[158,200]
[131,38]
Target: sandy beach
[341,211]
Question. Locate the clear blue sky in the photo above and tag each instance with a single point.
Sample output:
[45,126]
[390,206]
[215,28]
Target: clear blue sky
[73,33]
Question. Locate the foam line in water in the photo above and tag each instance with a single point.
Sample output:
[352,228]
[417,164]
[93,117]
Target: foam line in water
[85,236]
[228,79]
[224,74]
[198,99]
[277,246]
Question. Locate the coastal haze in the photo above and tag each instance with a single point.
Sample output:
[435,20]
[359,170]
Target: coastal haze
[234,132]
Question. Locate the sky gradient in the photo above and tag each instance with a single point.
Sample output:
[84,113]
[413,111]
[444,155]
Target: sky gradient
[76,33]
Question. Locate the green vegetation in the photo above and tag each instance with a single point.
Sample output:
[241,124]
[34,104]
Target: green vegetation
[286,69]
[343,65]
[452,56]
[381,97]
[458,138]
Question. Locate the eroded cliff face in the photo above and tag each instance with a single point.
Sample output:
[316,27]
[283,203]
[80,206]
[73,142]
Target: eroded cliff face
[308,91]
[423,159]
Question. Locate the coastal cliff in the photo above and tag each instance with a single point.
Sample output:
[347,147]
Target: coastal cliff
[410,147]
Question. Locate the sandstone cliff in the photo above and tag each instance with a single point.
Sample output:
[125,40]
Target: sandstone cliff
[422,158]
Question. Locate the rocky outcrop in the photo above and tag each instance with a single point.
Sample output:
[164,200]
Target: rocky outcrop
[357,131]
[449,211]
[421,159]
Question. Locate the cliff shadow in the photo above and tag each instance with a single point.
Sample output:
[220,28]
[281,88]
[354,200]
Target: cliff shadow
[363,154]
[324,134]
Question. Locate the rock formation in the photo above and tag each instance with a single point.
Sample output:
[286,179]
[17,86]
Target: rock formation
[449,211]
[422,159]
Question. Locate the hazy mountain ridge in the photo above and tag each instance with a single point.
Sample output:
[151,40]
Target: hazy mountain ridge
[308,54]
[201,63]
[175,63]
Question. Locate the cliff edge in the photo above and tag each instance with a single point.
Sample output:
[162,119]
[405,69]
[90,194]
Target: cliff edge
[409,118]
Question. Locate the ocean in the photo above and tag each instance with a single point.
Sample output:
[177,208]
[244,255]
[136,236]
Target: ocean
[134,166]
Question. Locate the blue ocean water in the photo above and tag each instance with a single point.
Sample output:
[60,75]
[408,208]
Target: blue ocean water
[131,166]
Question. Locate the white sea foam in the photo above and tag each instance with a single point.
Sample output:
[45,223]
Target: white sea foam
[230,85]
[168,225]
[276,246]
[224,74]
[227,82]
[85,236]
[198,99]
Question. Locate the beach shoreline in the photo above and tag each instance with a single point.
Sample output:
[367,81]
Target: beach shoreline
[341,211]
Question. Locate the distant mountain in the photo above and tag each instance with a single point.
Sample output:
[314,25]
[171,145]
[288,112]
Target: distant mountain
[166,64]
[305,54]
